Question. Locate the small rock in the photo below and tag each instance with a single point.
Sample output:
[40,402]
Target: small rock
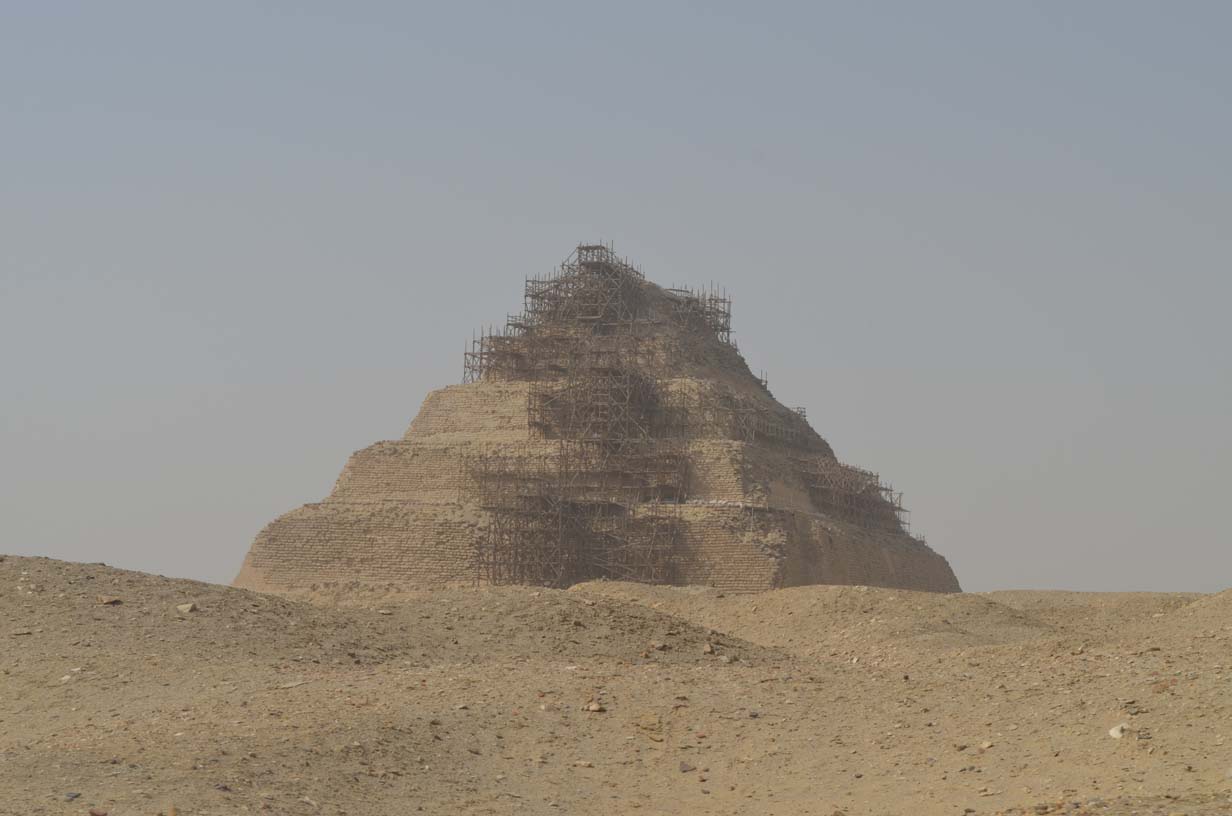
[20,632]
[594,706]
[185,608]
[97,812]
[1118,731]
[461,707]
[652,725]
[109,600]
[384,612]
[71,796]
[708,648]
[985,745]
[582,763]
[659,647]
[686,767]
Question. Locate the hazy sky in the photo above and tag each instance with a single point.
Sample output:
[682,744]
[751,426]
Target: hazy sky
[987,245]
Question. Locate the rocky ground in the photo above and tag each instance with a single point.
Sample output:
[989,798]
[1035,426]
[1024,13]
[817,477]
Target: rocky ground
[125,693]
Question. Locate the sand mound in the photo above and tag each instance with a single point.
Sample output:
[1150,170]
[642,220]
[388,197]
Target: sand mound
[1203,618]
[130,612]
[839,621]
[1064,609]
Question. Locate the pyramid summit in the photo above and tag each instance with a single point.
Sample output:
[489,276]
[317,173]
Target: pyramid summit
[610,430]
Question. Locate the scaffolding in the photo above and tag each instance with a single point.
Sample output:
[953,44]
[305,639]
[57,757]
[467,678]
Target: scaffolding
[584,509]
[601,499]
[599,493]
[599,402]
[730,415]
[703,309]
[593,287]
[853,494]
[550,541]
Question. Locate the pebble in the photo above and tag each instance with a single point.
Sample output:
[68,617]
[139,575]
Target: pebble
[593,706]
[686,767]
[708,648]
[109,600]
[1118,731]
[185,608]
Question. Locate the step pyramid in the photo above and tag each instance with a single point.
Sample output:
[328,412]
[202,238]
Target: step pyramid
[610,430]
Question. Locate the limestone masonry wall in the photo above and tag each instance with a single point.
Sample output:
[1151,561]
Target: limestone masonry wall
[483,411]
[749,549]
[732,547]
[423,545]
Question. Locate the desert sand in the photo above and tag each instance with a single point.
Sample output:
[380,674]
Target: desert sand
[127,693]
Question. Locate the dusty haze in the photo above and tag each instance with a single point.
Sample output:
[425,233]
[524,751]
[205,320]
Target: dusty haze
[987,248]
